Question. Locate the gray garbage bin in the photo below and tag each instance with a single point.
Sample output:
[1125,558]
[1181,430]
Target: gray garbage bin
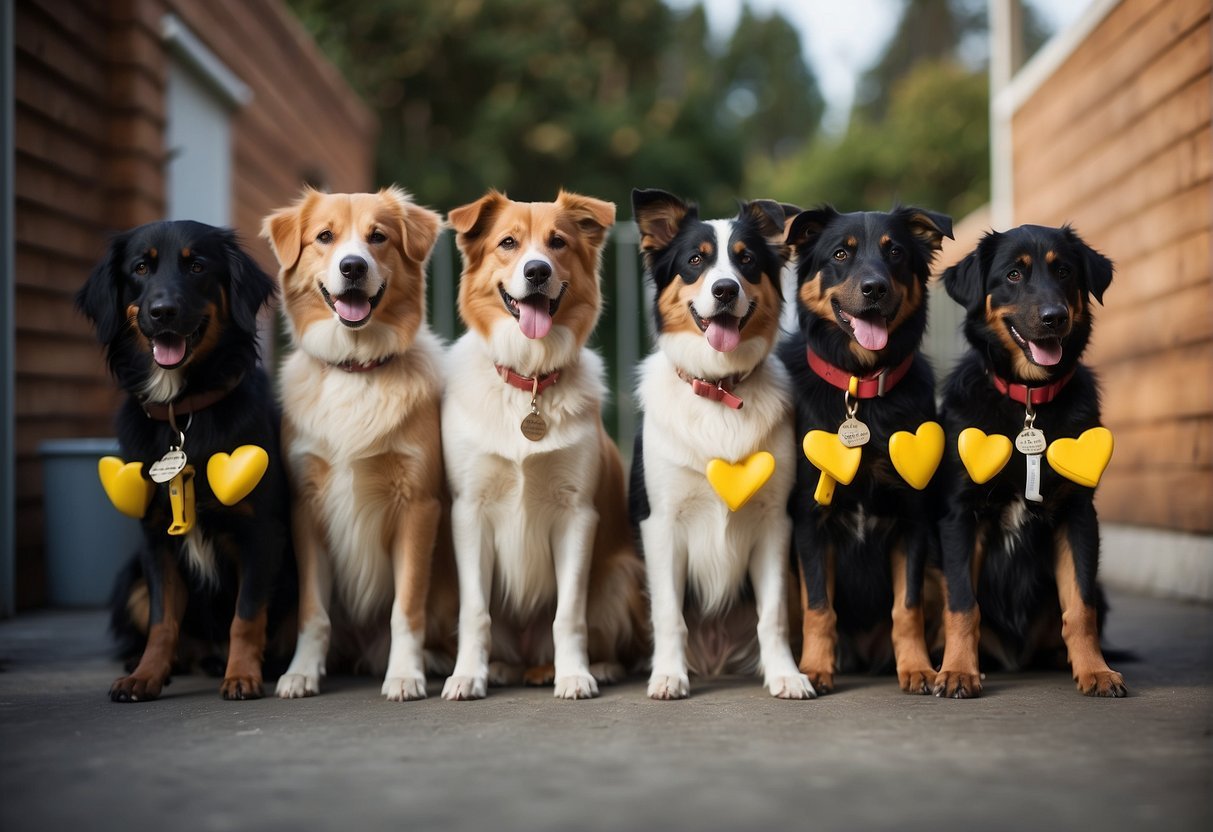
[87,540]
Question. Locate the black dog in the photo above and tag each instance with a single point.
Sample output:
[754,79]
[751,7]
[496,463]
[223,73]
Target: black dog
[175,304]
[861,304]
[1027,292]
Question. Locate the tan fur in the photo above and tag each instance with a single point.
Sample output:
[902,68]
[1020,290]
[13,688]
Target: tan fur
[674,306]
[1080,627]
[909,636]
[819,629]
[1023,368]
[363,449]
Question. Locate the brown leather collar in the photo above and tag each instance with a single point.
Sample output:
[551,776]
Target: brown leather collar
[353,366]
[720,390]
[189,404]
[528,384]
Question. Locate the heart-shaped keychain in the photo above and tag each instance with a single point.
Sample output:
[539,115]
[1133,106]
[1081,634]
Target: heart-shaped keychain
[233,477]
[737,483]
[1082,460]
[916,455]
[125,486]
[983,456]
[826,451]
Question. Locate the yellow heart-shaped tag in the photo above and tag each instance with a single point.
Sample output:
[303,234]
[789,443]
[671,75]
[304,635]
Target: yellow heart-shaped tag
[826,451]
[232,478]
[983,456]
[125,486]
[1084,459]
[917,455]
[736,484]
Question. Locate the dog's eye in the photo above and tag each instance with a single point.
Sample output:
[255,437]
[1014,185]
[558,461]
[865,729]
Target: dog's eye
[377,237]
[325,236]
[1063,272]
[141,268]
[1015,275]
[841,254]
[895,253]
[196,267]
[557,243]
[745,258]
[696,259]
[509,244]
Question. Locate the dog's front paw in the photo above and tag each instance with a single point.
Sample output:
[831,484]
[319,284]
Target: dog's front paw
[607,673]
[791,687]
[1103,683]
[918,681]
[462,688]
[955,684]
[297,685]
[403,688]
[137,688]
[241,687]
[672,686]
[822,681]
[576,686]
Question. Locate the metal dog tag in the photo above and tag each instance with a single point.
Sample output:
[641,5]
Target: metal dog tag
[168,466]
[853,433]
[1030,441]
[533,426]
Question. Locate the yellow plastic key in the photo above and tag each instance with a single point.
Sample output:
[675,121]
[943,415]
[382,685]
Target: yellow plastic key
[826,451]
[824,493]
[125,486]
[181,499]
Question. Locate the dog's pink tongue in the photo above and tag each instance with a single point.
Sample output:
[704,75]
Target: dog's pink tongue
[871,332]
[352,307]
[533,317]
[723,333]
[1045,353]
[168,350]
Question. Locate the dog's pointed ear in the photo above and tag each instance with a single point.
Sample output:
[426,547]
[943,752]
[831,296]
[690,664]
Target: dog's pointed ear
[419,227]
[283,229]
[929,226]
[100,298]
[807,226]
[471,220]
[768,215]
[249,287]
[593,216]
[658,215]
[966,281]
[1096,267]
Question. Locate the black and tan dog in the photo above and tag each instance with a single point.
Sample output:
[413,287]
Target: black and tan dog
[862,537]
[1014,547]
[175,305]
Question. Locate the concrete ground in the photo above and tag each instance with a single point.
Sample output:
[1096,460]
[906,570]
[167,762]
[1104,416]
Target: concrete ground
[1030,754]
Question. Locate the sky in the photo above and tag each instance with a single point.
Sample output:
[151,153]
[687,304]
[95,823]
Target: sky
[842,39]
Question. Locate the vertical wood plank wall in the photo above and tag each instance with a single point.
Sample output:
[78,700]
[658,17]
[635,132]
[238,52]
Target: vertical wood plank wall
[90,156]
[1118,142]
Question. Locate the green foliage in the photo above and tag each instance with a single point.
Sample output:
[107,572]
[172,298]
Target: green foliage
[930,149]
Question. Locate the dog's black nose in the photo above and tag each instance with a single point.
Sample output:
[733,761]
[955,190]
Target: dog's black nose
[874,288]
[1054,316]
[537,272]
[725,291]
[162,309]
[353,267]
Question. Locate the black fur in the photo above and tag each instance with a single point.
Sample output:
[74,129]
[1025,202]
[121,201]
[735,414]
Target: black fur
[1017,591]
[894,511]
[209,291]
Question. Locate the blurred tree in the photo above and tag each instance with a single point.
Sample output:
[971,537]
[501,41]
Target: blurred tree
[530,95]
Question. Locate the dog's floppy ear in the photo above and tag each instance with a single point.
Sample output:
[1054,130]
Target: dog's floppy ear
[807,226]
[470,221]
[593,216]
[284,229]
[100,298]
[929,226]
[419,226]
[249,288]
[1097,268]
[768,216]
[658,215]
[966,281]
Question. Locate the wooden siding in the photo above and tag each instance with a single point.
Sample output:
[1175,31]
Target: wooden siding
[89,134]
[1118,143]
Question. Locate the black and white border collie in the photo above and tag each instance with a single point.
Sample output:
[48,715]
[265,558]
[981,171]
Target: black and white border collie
[713,391]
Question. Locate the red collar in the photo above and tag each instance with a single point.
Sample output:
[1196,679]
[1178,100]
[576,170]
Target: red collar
[865,387]
[717,391]
[189,404]
[1022,393]
[353,366]
[528,384]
